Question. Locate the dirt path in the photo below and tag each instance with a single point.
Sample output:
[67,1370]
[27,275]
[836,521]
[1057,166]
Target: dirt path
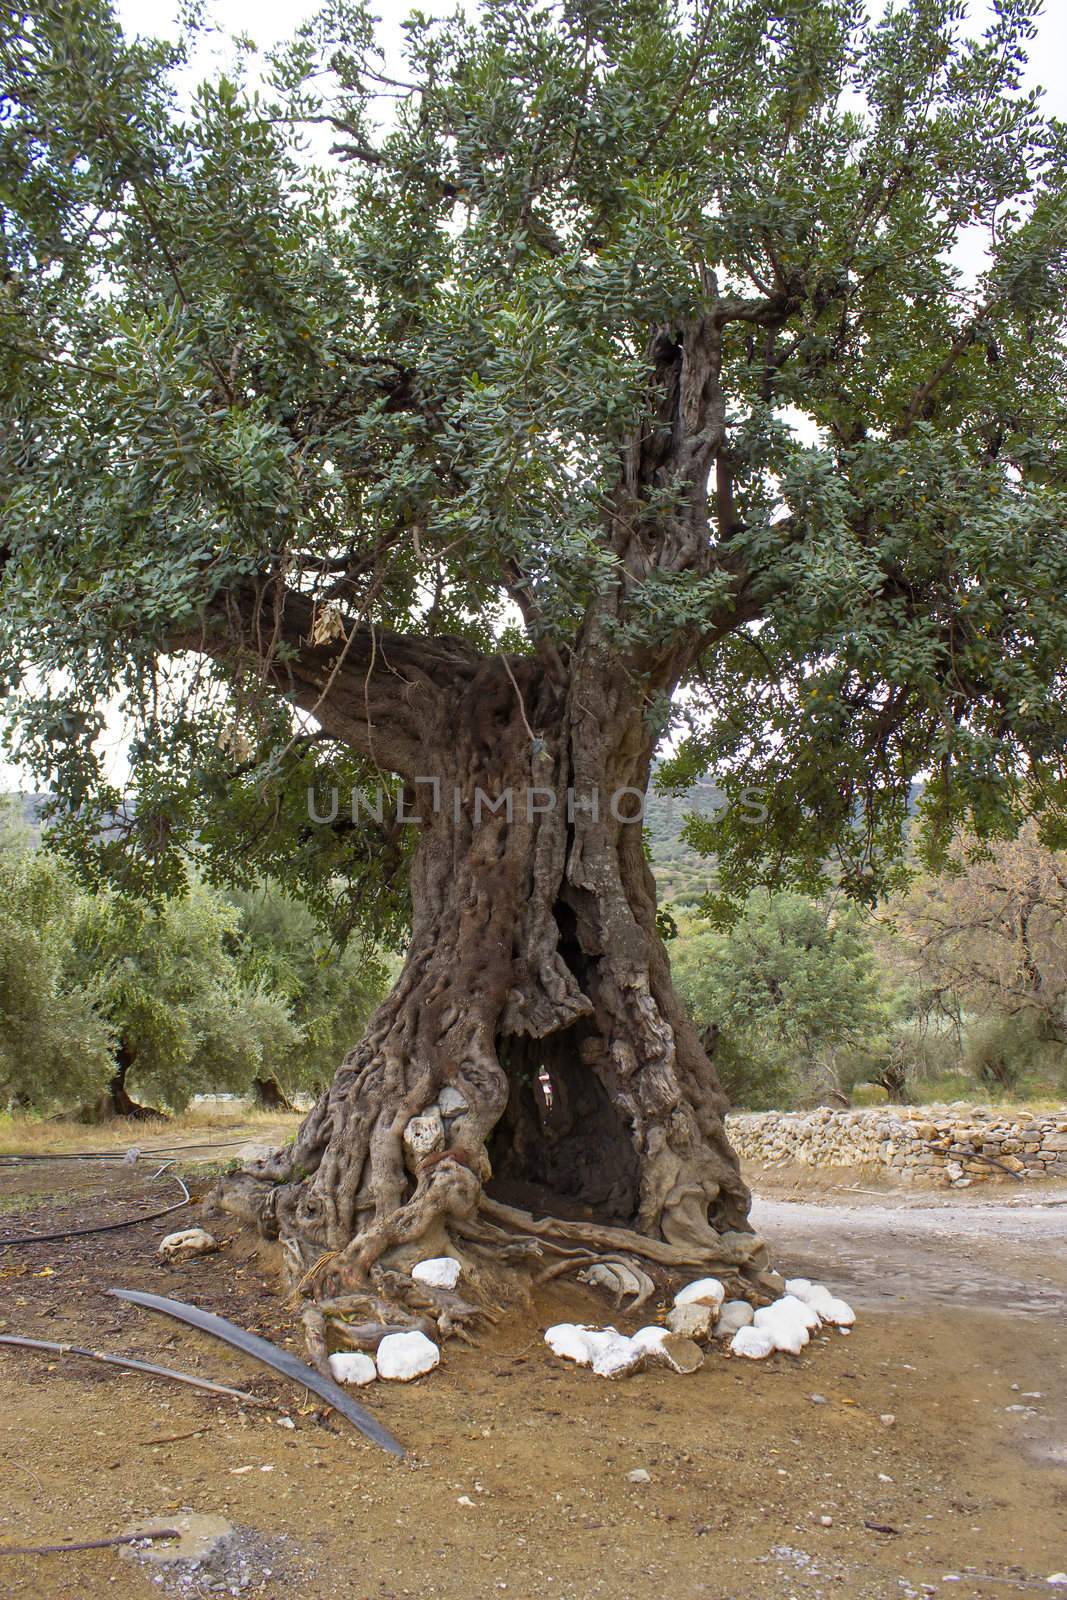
[1002,1254]
[516,1482]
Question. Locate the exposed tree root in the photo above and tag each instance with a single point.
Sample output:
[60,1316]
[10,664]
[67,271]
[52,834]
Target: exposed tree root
[731,1251]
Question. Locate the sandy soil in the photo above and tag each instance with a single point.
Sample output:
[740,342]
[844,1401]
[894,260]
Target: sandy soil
[961,1338]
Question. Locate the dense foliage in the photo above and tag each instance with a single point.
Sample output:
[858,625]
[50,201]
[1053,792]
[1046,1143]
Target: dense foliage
[792,996]
[55,1046]
[957,988]
[178,997]
[405,381]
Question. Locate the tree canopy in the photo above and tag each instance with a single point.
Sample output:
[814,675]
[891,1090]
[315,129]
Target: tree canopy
[107,1001]
[654,299]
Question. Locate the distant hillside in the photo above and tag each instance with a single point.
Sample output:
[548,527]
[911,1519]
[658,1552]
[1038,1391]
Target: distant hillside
[681,875]
[27,810]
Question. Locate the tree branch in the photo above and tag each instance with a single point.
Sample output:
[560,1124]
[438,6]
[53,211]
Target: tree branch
[385,695]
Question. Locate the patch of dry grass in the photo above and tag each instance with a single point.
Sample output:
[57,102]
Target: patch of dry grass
[200,1124]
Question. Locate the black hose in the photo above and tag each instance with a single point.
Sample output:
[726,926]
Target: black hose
[15,1157]
[272,1356]
[101,1227]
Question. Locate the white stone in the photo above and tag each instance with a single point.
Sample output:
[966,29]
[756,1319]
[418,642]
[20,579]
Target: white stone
[352,1366]
[610,1353]
[440,1272]
[783,1325]
[691,1321]
[704,1292]
[639,1475]
[451,1103]
[650,1340]
[614,1355]
[569,1340]
[801,1310]
[819,1298]
[735,1314]
[424,1135]
[662,1347]
[756,1343]
[189,1242]
[404,1356]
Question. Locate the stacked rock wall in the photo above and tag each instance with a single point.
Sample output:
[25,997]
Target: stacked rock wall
[957,1145]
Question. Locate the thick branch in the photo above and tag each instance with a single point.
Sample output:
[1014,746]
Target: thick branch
[385,695]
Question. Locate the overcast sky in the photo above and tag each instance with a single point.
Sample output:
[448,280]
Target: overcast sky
[268,21]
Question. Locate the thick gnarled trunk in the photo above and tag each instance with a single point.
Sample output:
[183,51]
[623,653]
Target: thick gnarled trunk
[572,1109]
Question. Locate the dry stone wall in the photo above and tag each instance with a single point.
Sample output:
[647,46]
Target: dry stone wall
[957,1145]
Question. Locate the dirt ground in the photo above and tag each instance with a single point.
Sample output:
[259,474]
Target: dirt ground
[766,1478]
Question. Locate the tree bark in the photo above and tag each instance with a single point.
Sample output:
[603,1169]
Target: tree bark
[536,989]
[268,1095]
[116,1100]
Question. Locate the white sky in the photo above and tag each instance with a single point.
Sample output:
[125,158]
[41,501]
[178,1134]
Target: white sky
[267,22]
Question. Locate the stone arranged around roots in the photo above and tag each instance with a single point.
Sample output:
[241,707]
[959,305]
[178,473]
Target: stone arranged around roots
[785,1325]
[353,1366]
[441,1272]
[406,1355]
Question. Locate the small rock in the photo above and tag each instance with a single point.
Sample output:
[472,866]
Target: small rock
[799,1309]
[818,1400]
[673,1350]
[440,1272]
[188,1243]
[286,1422]
[826,1522]
[818,1297]
[614,1355]
[464,1500]
[569,1340]
[704,1292]
[424,1136]
[785,1325]
[451,1103]
[735,1314]
[756,1343]
[681,1354]
[1057,1577]
[353,1366]
[403,1356]
[639,1475]
[887,1419]
[692,1320]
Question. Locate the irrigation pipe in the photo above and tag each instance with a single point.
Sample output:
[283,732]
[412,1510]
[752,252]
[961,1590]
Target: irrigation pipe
[251,1344]
[102,1227]
[137,1366]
